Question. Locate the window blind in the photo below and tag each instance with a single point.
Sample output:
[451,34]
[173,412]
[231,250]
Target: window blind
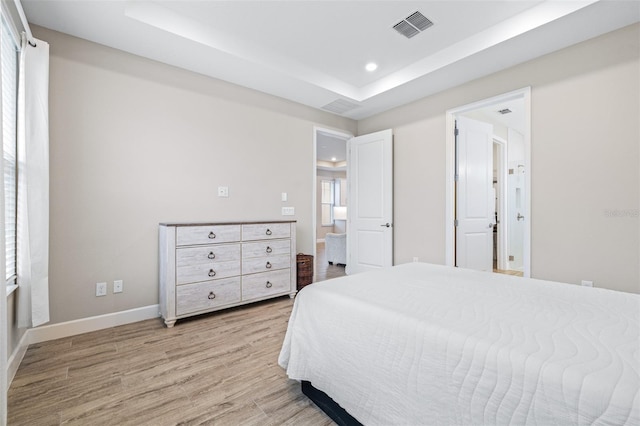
[9,64]
[327,202]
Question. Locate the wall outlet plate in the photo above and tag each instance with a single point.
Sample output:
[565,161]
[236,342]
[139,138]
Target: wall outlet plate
[288,211]
[223,191]
[118,286]
[101,289]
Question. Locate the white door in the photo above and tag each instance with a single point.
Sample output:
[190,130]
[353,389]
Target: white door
[515,183]
[475,203]
[370,211]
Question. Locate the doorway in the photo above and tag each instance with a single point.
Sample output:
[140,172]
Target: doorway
[507,118]
[330,203]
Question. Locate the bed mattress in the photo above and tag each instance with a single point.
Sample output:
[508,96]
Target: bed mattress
[421,344]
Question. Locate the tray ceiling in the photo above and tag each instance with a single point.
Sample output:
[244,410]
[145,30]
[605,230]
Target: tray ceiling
[315,52]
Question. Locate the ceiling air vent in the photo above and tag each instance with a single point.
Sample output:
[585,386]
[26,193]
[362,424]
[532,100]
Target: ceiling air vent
[504,111]
[413,24]
[340,106]
[406,29]
[419,21]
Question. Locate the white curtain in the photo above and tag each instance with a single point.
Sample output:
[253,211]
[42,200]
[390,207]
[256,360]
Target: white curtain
[33,184]
[3,299]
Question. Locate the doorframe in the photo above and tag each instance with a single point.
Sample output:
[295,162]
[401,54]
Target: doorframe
[501,243]
[341,134]
[525,94]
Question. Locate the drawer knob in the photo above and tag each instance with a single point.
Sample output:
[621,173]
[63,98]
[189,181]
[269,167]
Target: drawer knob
[212,295]
[212,235]
[269,249]
[269,232]
[268,265]
[269,285]
[212,273]
[211,255]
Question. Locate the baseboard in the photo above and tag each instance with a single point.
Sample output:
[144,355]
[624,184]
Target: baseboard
[86,325]
[16,358]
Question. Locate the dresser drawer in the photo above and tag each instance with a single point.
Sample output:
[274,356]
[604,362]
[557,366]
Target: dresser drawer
[265,231]
[266,264]
[207,255]
[265,284]
[207,295]
[205,272]
[194,235]
[266,248]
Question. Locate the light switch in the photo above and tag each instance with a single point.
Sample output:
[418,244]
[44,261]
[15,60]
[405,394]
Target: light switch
[284,196]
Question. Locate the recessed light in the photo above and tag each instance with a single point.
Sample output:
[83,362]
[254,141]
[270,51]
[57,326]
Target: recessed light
[333,158]
[371,67]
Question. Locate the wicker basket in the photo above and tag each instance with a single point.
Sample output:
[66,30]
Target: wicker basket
[304,264]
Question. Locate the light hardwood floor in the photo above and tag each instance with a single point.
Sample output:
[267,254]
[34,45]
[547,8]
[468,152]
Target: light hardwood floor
[324,271]
[507,272]
[218,369]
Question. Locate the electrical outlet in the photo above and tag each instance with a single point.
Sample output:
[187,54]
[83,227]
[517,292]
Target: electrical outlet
[223,191]
[586,283]
[118,286]
[288,211]
[101,289]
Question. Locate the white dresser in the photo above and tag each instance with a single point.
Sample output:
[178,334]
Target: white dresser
[205,267]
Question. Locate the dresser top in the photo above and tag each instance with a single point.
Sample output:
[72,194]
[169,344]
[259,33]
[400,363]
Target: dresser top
[223,223]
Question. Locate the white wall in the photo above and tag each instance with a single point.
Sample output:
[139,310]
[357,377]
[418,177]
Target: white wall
[135,142]
[585,162]
[515,150]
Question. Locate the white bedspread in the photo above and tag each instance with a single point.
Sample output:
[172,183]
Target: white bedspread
[422,344]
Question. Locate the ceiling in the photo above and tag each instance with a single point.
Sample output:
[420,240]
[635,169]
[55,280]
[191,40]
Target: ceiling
[315,52]
[330,149]
[514,118]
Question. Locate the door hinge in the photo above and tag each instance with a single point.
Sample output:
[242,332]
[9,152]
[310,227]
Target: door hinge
[456,178]
[455,132]
[455,222]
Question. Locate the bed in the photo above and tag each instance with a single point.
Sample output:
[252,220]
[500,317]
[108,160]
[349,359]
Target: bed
[421,344]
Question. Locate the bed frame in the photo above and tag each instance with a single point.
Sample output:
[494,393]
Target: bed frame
[328,405]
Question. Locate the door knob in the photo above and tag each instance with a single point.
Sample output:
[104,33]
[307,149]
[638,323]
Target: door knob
[520,217]
[386,225]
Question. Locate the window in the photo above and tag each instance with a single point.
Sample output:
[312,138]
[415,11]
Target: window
[9,63]
[327,202]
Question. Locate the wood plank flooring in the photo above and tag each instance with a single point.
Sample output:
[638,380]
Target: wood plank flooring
[324,271]
[508,272]
[218,369]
